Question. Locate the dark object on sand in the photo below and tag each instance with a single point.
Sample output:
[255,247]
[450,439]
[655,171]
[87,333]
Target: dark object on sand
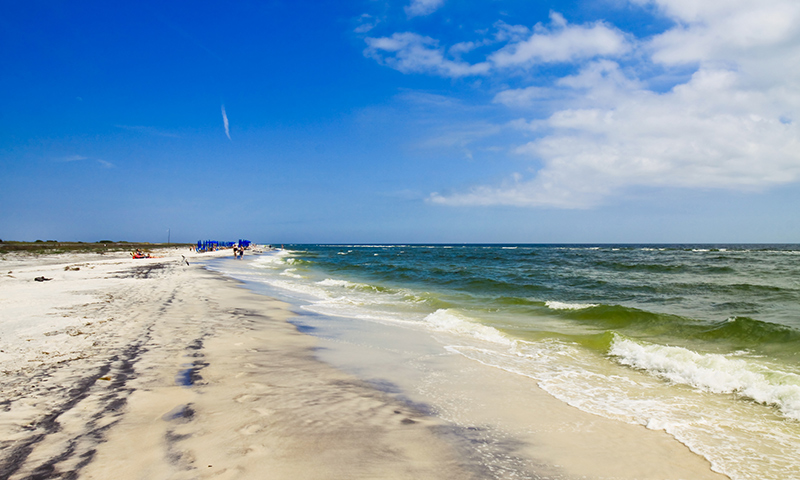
[42,279]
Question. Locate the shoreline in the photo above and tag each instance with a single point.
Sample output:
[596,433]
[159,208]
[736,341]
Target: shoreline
[152,368]
[512,424]
[175,371]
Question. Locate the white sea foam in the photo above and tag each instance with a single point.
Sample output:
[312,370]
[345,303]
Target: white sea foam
[307,291]
[713,373]
[568,306]
[450,321]
[699,421]
[331,282]
[270,261]
[368,246]
[290,272]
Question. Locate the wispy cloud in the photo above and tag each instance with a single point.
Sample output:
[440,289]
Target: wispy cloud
[225,123]
[419,8]
[412,53]
[72,158]
[80,158]
[366,23]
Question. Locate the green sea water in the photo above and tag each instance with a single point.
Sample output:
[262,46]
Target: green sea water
[698,340]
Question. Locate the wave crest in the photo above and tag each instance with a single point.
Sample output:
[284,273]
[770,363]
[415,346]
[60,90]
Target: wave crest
[447,320]
[713,373]
[552,305]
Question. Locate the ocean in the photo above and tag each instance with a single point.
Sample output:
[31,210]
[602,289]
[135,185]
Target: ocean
[701,341]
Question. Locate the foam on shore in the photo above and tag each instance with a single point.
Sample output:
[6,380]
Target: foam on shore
[512,427]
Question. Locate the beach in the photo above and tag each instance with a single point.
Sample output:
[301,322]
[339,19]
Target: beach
[155,368]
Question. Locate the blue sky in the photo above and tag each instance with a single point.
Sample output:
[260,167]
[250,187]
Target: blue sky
[401,121]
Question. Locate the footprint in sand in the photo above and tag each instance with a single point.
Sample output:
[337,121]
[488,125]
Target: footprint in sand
[264,412]
[256,450]
[256,386]
[250,429]
[246,398]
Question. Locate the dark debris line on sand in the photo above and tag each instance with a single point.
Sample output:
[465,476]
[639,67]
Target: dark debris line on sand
[107,388]
[108,384]
[82,444]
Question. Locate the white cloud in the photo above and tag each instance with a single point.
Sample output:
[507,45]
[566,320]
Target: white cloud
[419,8]
[731,124]
[412,53]
[510,33]
[707,133]
[463,47]
[726,31]
[522,97]
[562,43]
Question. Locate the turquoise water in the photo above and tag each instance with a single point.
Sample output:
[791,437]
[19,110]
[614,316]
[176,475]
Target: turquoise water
[698,340]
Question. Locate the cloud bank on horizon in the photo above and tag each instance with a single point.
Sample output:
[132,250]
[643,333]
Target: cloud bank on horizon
[710,102]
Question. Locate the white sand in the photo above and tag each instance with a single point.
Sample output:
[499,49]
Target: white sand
[142,369]
[154,369]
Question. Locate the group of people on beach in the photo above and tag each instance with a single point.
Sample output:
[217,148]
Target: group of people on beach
[238,252]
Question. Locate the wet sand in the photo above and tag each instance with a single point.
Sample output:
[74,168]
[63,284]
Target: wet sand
[141,369]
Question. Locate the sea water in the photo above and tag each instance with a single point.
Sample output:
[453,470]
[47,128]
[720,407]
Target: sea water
[701,341]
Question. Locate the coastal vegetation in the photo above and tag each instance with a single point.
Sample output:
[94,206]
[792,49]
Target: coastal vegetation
[41,247]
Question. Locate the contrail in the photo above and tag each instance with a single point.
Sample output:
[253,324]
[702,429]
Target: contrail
[225,122]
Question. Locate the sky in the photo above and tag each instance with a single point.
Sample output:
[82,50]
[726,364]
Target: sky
[401,121]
